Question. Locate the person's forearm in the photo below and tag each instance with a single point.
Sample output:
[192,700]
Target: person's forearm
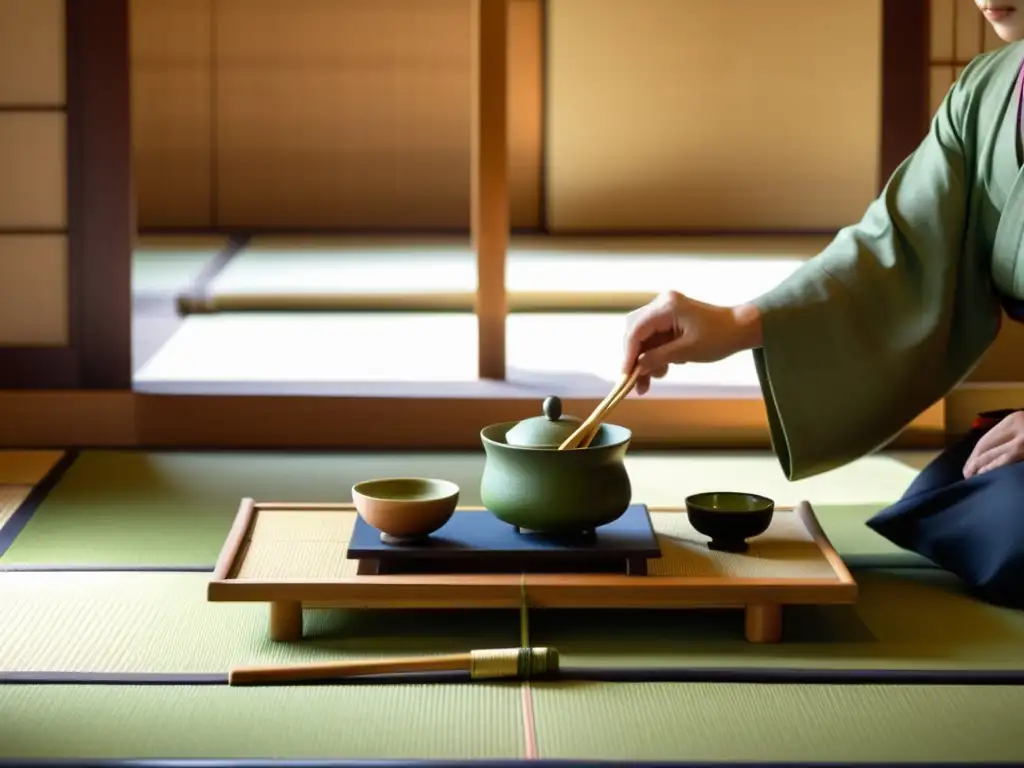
[749,327]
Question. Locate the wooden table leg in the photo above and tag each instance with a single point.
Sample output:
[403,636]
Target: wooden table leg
[763,623]
[285,621]
[636,566]
[368,567]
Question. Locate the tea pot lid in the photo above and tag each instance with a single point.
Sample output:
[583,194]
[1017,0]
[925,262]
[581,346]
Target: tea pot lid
[547,431]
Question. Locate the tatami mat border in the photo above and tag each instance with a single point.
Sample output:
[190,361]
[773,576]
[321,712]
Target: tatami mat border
[854,562]
[538,763]
[196,297]
[65,568]
[738,675]
[23,514]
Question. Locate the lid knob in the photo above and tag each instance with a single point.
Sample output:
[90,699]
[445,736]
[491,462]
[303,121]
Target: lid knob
[553,408]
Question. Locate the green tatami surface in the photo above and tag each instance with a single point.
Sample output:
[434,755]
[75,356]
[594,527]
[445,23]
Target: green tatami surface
[821,723]
[914,619]
[158,509]
[305,722]
[175,509]
[904,619]
[162,623]
[167,265]
[585,721]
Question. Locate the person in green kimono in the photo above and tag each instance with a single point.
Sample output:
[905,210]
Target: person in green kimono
[899,307]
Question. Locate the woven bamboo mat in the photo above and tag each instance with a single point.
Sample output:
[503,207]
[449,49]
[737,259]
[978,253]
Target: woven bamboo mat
[764,723]
[11,497]
[360,723]
[160,623]
[630,722]
[26,467]
[125,508]
[909,619]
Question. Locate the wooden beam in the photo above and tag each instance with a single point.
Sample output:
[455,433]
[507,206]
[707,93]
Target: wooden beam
[906,49]
[716,418]
[489,199]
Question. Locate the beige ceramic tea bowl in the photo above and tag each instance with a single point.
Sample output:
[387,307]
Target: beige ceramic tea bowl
[405,508]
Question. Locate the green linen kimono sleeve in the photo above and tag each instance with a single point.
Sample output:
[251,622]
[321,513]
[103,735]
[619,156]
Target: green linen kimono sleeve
[898,309]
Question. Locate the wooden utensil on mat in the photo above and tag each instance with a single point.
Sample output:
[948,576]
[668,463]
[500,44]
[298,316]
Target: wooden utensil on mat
[587,431]
[505,662]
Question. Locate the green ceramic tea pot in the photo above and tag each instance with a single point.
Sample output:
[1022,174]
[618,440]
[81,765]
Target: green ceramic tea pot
[547,431]
[531,485]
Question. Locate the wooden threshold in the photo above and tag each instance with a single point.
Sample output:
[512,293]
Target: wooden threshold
[54,419]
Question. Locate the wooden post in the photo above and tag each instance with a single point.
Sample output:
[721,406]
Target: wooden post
[906,55]
[489,220]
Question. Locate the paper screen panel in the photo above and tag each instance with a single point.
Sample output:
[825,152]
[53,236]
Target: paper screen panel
[33,290]
[321,114]
[33,161]
[941,82]
[681,115]
[343,114]
[969,32]
[171,112]
[992,40]
[32,60]
[942,17]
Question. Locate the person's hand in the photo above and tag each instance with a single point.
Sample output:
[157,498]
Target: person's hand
[1000,446]
[676,329]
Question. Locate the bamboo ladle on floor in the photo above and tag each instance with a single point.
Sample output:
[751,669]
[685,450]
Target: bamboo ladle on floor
[521,663]
[587,431]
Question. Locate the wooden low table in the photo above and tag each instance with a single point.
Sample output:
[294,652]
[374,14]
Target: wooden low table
[292,555]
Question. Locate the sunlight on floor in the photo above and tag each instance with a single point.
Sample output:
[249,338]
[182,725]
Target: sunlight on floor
[402,347]
[318,348]
[167,265]
[576,349]
[711,269]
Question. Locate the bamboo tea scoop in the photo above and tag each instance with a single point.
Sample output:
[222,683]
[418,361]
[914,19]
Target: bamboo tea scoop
[587,431]
[521,663]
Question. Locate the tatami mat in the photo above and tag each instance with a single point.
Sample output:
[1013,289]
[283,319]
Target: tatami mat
[682,722]
[166,265]
[571,272]
[762,723]
[19,472]
[910,619]
[137,508]
[162,623]
[362,722]
[12,497]
[845,526]
[26,467]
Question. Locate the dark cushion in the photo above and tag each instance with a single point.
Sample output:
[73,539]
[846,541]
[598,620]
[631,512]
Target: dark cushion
[973,528]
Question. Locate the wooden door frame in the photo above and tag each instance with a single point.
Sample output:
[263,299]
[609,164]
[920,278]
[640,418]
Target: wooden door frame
[100,202]
[101,205]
